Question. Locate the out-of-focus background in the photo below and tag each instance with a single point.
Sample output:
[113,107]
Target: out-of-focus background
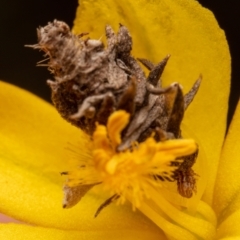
[19,19]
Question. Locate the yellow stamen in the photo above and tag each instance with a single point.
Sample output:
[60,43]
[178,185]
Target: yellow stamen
[132,172]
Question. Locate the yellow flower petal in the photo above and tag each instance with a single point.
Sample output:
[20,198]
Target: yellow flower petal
[179,224]
[24,232]
[227,189]
[33,134]
[230,238]
[192,36]
[233,206]
[30,194]
[230,227]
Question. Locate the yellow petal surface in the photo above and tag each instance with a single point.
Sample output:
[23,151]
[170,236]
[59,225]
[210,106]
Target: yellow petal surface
[230,227]
[32,137]
[192,36]
[33,134]
[24,232]
[181,225]
[230,238]
[227,189]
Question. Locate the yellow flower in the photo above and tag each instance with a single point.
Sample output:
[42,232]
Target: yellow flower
[34,138]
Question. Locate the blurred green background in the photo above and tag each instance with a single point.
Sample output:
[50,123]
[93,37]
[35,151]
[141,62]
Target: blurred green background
[20,18]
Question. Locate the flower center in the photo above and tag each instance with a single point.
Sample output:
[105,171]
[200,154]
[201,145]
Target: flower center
[129,173]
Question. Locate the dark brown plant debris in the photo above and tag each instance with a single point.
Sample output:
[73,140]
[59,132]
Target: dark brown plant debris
[93,81]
